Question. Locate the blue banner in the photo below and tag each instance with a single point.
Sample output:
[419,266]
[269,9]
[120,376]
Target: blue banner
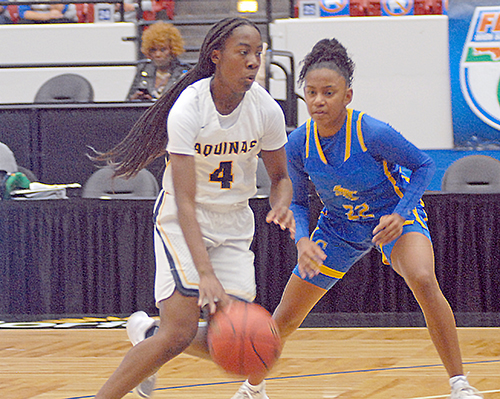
[474,32]
[334,8]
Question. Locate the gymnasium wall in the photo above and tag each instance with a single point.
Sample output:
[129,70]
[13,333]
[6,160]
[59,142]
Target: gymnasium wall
[402,64]
[66,44]
[402,69]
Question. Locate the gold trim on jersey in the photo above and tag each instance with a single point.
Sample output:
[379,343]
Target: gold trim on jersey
[391,179]
[316,140]
[318,145]
[360,133]
[419,219]
[308,133]
[348,135]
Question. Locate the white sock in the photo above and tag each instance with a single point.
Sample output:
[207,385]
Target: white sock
[458,379]
[256,387]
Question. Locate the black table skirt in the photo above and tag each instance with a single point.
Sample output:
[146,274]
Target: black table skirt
[80,257]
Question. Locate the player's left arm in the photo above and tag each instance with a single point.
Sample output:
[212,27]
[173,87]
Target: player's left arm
[390,145]
[281,190]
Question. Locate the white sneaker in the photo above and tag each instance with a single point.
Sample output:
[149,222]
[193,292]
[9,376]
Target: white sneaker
[137,326]
[146,387]
[461,389]
[248,391]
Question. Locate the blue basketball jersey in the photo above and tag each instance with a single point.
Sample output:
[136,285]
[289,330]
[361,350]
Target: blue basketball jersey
[357,173]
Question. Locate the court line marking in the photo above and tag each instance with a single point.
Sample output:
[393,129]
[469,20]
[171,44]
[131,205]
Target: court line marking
[448,395]
[322,375]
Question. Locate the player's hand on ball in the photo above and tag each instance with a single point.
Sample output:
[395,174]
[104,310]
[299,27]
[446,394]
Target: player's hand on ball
[211,292]
[311,257]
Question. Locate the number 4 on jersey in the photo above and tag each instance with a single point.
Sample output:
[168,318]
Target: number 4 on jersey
[223,174]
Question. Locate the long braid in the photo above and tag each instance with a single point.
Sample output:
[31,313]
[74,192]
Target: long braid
[148,138]
[328,53]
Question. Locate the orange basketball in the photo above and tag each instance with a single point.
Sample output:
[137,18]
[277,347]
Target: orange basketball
[243,339]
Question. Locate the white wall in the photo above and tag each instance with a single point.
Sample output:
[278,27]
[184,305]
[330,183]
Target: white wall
[402,69]
[66,43]
[402,66]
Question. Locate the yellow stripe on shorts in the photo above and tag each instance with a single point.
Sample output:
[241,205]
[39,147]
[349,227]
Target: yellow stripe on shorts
[330,272]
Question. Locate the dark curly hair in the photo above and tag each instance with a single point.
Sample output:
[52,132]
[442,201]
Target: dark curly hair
[147,140]
[328,53]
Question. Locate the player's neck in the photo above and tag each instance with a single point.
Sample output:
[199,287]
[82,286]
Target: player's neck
[224,100]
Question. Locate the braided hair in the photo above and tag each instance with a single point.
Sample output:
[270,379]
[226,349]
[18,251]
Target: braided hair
[147,140]
[328,53]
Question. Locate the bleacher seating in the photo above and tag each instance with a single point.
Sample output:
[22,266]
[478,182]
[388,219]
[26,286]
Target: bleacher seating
[13,12]
[85,11]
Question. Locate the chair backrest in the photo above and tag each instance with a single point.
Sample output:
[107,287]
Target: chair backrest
[472,174]
[102,185]
[28,173]
[66,88]
[7,160]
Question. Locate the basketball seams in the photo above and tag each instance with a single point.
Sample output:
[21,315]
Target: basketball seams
[243,339]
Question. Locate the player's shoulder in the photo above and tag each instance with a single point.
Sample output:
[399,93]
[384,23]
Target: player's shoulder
[374,124]
[375,130]
[298,134]
[199,88]
[192,96]
[297,138]
[261,96]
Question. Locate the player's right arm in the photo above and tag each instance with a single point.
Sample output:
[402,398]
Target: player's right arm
[184,181]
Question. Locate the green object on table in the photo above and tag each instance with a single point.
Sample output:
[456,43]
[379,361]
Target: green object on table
[13,181]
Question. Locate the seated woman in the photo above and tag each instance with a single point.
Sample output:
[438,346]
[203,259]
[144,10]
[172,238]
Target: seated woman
[162,43]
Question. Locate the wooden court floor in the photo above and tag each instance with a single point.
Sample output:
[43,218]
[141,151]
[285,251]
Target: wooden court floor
[375,363]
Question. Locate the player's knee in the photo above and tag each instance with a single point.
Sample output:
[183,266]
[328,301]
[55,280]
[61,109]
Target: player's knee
[174,340]
[422,282]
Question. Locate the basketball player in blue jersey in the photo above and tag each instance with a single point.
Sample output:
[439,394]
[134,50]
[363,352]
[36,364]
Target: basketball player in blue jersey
[355,164]
[219,120]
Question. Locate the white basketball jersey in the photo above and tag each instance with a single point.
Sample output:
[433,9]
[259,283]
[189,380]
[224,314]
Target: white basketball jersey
[226,158]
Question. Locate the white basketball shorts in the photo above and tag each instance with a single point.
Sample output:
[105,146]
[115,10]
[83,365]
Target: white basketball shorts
[227,232]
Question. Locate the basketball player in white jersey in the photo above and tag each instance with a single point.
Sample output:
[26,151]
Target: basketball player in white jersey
[219,120]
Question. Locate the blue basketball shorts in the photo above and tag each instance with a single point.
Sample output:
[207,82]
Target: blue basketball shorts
[342,254]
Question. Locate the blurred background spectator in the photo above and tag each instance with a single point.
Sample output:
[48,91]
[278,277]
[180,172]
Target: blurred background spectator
[130,9]
[47,13]
[162,43]
[4,15]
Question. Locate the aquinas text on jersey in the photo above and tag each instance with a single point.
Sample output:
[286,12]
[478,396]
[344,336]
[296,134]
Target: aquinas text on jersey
[225,148]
